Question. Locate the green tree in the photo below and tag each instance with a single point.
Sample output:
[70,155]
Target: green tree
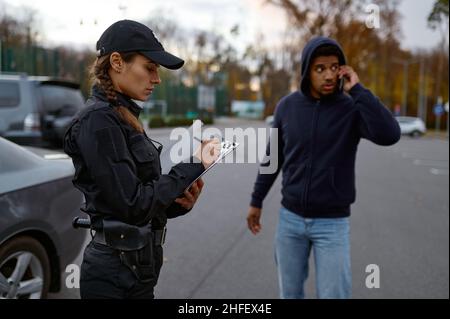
[439,14]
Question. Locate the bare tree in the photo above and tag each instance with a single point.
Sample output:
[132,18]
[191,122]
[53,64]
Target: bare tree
[318,17]
[18,30]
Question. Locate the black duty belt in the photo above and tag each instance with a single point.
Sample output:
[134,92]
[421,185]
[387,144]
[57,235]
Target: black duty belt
[159,237]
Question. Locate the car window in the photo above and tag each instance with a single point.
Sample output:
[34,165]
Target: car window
[405,120]
[9,94]
[60,101]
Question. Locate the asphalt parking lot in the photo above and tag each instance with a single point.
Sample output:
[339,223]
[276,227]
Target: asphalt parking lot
[400,222]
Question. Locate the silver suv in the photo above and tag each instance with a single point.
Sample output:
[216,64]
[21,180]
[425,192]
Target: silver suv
[37,110]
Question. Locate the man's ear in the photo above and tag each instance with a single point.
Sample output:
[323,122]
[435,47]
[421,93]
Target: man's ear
[116,62]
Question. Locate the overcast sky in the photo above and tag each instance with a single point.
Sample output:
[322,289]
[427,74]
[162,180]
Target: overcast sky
[60,20]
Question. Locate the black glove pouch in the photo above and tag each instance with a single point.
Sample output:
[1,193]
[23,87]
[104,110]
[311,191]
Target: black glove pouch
[136,246]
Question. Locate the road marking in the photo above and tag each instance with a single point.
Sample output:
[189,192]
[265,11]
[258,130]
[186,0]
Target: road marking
[56,156]
[418,156]
[436,171]
[433,163]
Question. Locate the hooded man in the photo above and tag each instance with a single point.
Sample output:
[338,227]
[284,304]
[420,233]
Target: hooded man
[319,129]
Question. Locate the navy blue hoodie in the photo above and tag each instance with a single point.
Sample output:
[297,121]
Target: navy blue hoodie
[317,143]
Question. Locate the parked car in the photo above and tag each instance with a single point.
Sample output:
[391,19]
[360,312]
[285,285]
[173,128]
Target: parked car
[412,126]
[37,110]
[37,205]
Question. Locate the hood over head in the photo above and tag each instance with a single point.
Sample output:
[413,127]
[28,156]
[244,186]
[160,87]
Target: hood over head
[307,54]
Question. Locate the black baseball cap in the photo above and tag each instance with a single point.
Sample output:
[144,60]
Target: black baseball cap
[132,36]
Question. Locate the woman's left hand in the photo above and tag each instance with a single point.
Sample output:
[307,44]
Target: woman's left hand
[191,195]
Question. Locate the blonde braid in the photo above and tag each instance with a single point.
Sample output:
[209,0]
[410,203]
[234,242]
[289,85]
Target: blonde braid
[100,74]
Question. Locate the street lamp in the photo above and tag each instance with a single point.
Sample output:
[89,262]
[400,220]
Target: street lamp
[406,64]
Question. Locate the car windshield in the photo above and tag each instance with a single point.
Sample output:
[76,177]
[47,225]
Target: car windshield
[405,120]
[60,100]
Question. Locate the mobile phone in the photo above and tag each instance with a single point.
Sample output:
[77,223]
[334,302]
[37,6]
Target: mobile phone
[341,83]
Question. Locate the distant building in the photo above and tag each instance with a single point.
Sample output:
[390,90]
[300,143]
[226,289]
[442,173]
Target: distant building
[248,109]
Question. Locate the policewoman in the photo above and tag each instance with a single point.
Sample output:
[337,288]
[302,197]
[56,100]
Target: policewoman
[117,167]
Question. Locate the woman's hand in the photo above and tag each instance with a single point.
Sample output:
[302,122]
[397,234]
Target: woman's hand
[191,195]
[208,152]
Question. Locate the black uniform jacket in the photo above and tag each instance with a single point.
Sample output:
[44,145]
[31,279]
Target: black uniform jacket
[118,169]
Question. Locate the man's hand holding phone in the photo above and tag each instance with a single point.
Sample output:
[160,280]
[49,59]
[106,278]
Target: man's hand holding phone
[348,76]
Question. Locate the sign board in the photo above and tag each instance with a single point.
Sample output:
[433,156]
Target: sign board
[206,97]
[438,110]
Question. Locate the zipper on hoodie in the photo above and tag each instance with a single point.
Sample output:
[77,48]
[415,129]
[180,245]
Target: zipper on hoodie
[310,162]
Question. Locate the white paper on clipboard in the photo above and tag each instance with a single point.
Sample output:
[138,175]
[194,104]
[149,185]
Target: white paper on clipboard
[226,148]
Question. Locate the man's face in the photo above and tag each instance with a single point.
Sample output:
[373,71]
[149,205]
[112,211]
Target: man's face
[323,75]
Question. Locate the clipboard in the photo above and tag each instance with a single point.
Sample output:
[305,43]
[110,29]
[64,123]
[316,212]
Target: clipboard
[227,147]
[192,144]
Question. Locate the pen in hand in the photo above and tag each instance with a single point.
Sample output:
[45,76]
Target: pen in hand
[208,152]
[212,137]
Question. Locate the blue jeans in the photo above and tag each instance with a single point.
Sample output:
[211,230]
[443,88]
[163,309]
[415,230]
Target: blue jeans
[330,240]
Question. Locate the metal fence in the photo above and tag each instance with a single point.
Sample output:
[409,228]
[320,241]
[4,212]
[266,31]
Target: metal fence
[68,64]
